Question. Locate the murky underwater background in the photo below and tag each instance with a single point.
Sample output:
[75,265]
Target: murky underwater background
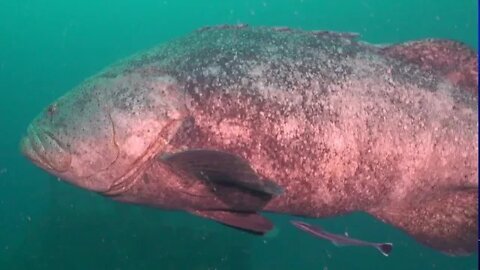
[47,47]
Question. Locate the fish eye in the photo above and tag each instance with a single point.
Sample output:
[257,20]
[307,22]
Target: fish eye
[52,109]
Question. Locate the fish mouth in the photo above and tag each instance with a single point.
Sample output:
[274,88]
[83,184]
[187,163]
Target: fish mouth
[45,150]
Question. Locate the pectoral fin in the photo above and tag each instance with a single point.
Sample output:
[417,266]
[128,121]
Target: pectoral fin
[249,222]
[231,181]
[222,168]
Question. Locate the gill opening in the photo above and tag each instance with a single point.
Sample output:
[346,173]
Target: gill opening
[126,181]
[114,142]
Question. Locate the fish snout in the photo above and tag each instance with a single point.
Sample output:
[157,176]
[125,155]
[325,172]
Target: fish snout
[45,150]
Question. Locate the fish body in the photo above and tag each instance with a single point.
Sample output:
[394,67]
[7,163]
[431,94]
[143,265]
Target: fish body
[231,121]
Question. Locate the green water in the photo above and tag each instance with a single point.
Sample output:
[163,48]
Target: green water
[47,47]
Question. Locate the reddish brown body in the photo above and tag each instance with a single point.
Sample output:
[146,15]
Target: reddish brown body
[338,124]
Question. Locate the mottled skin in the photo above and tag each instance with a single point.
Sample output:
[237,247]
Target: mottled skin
[339,124]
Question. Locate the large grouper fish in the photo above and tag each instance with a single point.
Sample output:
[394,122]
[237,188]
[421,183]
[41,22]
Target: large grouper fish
[231,121]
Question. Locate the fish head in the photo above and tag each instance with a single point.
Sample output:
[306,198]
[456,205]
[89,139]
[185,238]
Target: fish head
[99,135]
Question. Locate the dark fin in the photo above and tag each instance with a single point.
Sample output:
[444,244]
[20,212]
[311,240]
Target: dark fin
[453,60]
[446,222]
[385,248]
[222,168]
[246,221]
[240,199]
